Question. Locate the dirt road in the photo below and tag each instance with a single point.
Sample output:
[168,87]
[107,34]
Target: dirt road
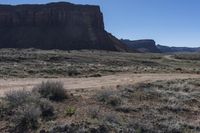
[170,57]
[92,82]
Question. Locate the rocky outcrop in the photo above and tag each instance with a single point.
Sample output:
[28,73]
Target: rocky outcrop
[167,49]
[144,46]
[60,25]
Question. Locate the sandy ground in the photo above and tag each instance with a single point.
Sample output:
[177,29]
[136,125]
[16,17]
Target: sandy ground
[92,82]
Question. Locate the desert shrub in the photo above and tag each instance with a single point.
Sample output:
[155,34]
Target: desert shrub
[18,97]
[3,108]
[47,109]
[81,127]
[70,111]
[124,109]
[103,96]
[194,82]
[25,108]
[93,112]
[73,72]
[186,56]
[26,118]
[114,101]
[52,90]
[109,98]
[178,69]
[111,118]
[96,75]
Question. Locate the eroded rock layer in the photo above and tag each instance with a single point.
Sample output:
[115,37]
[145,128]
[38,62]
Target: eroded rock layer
[61,25]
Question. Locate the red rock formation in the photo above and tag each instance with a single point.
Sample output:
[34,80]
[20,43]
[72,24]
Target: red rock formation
[144,46]
[55,26]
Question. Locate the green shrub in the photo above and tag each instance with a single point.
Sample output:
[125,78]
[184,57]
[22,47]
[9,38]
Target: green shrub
[52,90]
[70,111]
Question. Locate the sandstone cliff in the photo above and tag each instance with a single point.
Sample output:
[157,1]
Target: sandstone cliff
[60,25]
[167,49]
[144,46]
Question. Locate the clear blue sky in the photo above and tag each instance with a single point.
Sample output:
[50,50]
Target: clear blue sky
[169,22]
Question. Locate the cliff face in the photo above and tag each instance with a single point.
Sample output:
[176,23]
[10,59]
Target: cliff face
[167,49]
[54,26]
[144,46]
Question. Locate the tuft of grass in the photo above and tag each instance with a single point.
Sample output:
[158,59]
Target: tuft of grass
[70,111]
[52,90]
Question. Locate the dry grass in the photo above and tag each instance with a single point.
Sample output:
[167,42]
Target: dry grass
[162,106]
[56,63]
[188,56]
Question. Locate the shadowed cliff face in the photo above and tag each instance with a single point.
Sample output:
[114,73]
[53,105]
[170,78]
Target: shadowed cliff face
[167,49]
[146,45]
[54,26]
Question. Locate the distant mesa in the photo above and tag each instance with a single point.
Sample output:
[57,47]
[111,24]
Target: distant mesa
[66,26]
[167,49]
[144,46]
[60,25]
